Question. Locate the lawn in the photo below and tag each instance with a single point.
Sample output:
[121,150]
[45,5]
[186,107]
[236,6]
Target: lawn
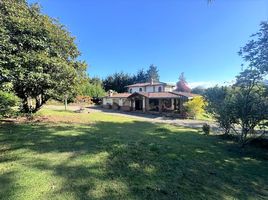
[111,157]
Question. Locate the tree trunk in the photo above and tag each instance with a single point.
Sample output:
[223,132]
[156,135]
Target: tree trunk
[25,107]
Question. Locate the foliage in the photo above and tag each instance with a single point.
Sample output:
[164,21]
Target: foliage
[206,128]
[220,106]
[7,101]
[140,77]
[195,107]
[117,82]
[182,84]
[251,98]
[198,90]
[37,54]
[245,105]
[152,74]
[117,157]
[241,108]
[255,51]
[250,104]
[91,87]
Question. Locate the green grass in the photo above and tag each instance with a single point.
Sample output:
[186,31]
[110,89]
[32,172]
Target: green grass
[112,157]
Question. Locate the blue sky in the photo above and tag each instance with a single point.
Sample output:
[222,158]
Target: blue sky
[190,36]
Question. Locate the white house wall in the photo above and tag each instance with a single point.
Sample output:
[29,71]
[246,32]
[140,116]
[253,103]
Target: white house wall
[136,89]
[147,89]
[107,101]
[168,89]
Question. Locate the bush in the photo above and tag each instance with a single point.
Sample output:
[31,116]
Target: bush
[7,101]
[206,129]
[195,107]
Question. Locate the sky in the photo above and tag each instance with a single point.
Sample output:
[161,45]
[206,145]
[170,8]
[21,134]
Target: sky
[198,38]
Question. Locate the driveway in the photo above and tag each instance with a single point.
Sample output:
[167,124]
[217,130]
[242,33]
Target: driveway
[156,118]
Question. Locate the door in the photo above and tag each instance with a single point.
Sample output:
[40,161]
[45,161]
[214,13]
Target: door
[138,104]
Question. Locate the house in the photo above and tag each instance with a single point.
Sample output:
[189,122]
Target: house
[148,97]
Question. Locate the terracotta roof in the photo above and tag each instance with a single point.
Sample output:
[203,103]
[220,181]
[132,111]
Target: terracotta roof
[119,95]
[153,95]
[156,95]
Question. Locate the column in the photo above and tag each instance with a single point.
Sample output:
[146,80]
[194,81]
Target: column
[160,105]
[134,105]
[172,104]
[143,104]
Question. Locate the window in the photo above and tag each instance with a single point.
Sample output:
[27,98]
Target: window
[160,89]
[130,90]
[140,89]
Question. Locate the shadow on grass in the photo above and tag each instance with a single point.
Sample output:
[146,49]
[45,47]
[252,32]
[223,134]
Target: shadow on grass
[132,160]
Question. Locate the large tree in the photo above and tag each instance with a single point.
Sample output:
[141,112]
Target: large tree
[140,77]
[152,74]
[182,84]
[37,54]
[92,87]
[246,105]
[117,82]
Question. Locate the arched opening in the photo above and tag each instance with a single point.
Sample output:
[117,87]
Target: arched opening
[159,89]
[140,89]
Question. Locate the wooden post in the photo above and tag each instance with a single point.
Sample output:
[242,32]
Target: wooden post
[160,105]
[65,101]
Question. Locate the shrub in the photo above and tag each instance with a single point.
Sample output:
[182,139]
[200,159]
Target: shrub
[195,107]
[206,128]
[7,101]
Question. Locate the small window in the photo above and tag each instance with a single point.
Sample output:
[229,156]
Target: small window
[140,89]
[159,89]
[130,90]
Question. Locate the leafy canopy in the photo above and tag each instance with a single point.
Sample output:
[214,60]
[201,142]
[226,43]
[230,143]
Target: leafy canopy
[182,84]
[37,54]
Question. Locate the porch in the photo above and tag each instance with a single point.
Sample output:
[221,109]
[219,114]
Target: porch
[145,103]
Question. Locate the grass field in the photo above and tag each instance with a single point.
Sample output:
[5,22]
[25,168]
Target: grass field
[110,157]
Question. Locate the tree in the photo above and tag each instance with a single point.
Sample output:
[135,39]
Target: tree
[195,107]
[117,82]
[199,90]
[220,105]
[182,84]
[91,87]
[140,77]
[245,105]
[152,74]
[255,51]
[250,103]
[242,107]
[37,55]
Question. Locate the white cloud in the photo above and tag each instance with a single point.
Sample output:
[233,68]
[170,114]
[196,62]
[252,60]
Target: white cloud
[207,84]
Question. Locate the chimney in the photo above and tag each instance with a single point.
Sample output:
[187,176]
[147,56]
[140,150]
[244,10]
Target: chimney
[110,93]
[152,81]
